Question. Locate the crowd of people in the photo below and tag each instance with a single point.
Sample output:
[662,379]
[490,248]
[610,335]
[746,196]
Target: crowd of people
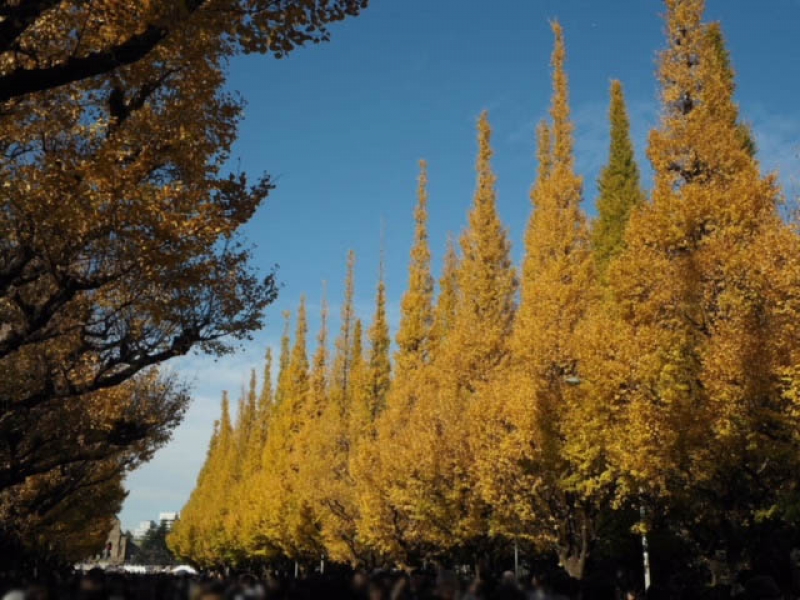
[97,584]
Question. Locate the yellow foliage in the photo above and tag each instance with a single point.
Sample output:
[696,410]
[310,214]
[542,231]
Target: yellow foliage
[675,379]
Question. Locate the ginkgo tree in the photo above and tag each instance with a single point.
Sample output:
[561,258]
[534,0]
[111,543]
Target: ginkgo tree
[118,229]
[694,373]
[637,374]
[526,473]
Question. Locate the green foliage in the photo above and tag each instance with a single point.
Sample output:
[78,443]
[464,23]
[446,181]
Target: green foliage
[620,188]
[153,549]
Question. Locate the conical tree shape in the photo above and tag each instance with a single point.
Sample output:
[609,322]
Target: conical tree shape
[370,386]
[284,521]
[695,377]
[380,470]
[723,57]
[201,512]
[413,336]
[447,506]
[266,401]
[346,415]
[238,473]
[299,520]
[319,369]
[380,370]
[313,447]
[526,475]
[265,398]
[186,536]
[248,493]
[339,437]
[252,393]
[445,309]
[211,531]
[362,404]
[247,414]
[359,365]
[343,359]
[297,370]
[486,278]
[620,188]
[284,358]
[225,474]
[225,423]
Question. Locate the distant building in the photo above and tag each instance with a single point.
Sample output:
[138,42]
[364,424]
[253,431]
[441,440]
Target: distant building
[168,519]
[118,547]
[143,529]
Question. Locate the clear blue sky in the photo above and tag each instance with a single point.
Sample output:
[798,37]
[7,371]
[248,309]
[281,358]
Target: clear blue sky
[342,125]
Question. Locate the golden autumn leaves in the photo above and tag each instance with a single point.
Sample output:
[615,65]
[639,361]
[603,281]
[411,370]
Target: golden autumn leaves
[646,358]
[120,239]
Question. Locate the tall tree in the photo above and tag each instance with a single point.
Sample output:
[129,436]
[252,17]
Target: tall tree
[266,401]
[380,368]
[701,368]
[446,501]
[284,519]
[717,40]
[619,185]
[284,358]
[342,362]
[313,450]
[250,539]
[184,538]
[445,309]
[346,416]
[118,218]
[527,476]
[203,527]
[381,467]
[46,44]
[413,336]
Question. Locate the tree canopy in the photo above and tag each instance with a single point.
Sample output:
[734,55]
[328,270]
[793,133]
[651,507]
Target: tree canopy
[119,243]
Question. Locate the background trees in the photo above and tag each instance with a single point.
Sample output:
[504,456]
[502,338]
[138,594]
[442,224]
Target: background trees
[153,549]
[704,403]
[119,220]
[526,472]
[645,379]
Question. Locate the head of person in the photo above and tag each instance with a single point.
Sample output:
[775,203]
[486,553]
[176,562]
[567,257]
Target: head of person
[37,592]
[213,590]
[447,585]
[762,588]
[92,585]
[376,590]
[508,579]
[418,581]
[478,588]
[360,582]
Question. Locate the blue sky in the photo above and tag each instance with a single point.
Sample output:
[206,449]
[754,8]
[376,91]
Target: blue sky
[341,126]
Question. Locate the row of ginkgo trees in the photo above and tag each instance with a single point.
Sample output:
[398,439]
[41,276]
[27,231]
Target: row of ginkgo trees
[647,359]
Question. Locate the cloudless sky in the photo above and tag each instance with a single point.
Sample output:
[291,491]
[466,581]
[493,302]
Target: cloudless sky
[341,127]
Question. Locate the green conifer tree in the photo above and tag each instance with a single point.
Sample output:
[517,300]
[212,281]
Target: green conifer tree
[620,188]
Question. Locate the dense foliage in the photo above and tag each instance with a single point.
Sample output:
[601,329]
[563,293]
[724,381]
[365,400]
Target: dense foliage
[638,373]
[153,550]
[118,236]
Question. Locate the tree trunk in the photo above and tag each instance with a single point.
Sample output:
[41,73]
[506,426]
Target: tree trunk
[577,537]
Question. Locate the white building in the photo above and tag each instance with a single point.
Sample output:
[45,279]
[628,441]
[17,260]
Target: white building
[143,529]
[168,519]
